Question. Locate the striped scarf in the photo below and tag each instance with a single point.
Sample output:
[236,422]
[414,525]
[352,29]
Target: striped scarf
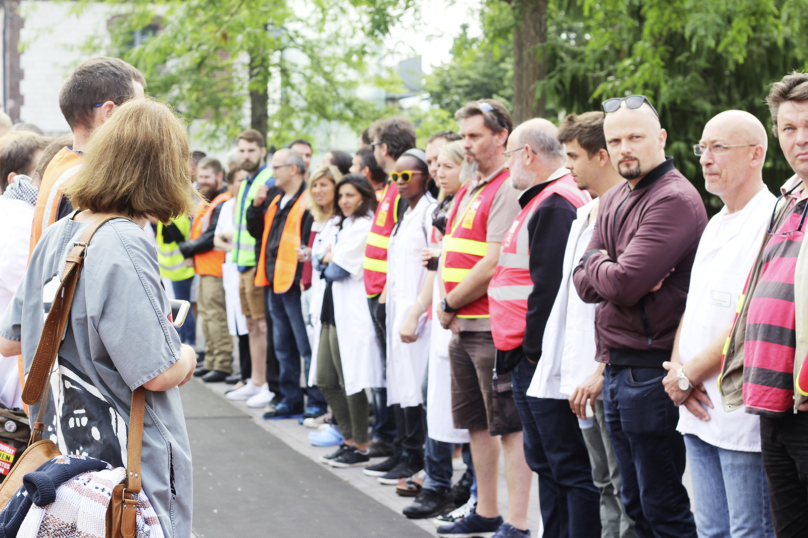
[21,189]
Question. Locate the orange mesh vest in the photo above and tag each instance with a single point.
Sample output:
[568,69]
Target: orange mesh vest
[286,262]
[511,284]
[466,244]
[375,265]
[210,262]
[61,171]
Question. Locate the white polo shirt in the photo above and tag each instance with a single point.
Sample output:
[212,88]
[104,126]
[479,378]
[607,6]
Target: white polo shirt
[726,252]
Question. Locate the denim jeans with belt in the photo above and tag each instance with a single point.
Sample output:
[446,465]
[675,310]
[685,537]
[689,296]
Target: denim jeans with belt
[641,420]
[291,342]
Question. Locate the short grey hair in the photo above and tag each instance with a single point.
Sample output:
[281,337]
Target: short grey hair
[544,144]
[294,158]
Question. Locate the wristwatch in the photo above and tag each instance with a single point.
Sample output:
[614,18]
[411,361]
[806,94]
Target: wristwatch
[444,305]
[683,381]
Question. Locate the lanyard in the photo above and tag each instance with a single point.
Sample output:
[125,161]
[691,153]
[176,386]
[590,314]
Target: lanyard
[463,216]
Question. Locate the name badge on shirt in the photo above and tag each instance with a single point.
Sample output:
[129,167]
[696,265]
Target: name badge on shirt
[468,221]
[382,217]
[720,298]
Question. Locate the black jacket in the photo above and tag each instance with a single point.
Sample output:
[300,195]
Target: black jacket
[255,226]
[203,243]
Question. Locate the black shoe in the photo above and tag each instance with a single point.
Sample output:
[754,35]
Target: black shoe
[349,458]
[200,358]
[214,376]
[381,469]
[408,466]
[199,372]
[381,449]
[328,457]
[233,379]
[430,503]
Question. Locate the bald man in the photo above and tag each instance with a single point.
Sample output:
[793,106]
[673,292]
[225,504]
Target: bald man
[521,294]
[723,448]
[637,266]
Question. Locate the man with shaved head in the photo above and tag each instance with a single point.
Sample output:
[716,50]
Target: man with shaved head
[732,152]
[637,266]
[521,295]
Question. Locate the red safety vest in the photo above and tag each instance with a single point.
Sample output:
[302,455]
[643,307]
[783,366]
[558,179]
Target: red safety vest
[466,244]
[286,262]
[511,284]
[210,262]
[375,265]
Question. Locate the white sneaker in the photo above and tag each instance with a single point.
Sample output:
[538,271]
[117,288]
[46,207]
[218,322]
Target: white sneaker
[458,464]
[244,393]
[261,398]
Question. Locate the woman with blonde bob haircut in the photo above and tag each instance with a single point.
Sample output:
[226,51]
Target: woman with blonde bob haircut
[120,336]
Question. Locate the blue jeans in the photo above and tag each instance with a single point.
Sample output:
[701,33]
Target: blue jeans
[730,492]
[555,450]
[291,342]
[384,427]
[641,420]
[438,464]
[182,292]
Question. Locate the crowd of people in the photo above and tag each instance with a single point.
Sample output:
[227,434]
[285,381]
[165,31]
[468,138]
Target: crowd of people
[553,294]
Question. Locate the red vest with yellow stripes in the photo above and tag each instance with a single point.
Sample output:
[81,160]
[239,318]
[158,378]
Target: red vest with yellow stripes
[375,266]
[511,284]
[210,262]
[466,244]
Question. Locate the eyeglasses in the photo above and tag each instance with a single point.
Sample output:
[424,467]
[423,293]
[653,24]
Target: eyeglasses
[98,105]
[374,144]
[485,107]
[519,149]
[774,214]
[632,101]
[718,149]
[276,168]
[404,175]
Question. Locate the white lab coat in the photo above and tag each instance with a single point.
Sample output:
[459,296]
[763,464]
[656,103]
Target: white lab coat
[324,238]
[236,321]
[358,347]
[406,363]
[440,425]
[568,347]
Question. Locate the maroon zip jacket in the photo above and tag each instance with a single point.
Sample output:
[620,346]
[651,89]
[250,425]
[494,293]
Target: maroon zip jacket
[646,232]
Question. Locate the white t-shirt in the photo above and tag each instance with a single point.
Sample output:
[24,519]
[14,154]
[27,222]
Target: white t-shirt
[726,252]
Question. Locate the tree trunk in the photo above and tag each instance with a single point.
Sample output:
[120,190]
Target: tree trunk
[530,65]
[259,98]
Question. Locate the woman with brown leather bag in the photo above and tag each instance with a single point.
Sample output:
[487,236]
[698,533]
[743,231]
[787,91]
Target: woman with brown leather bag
[118,336]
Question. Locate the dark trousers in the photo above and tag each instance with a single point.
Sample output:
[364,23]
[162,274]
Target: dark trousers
[182,292]
[273,366]
[555,450]
[384,426]
[411,426]
[292,343]
[784,444]
[244,357]
[641,420]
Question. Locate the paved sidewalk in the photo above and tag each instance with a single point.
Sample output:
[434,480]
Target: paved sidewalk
[285,491]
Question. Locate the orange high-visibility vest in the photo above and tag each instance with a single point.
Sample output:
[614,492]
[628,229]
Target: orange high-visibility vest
[375,265]
[286,262]
[511,284]
[465,241]
[210,262]
[61,171]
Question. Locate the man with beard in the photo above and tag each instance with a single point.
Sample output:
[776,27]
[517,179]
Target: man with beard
[208,264]
[637,266]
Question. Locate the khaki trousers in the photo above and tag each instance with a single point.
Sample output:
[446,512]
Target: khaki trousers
[213,314]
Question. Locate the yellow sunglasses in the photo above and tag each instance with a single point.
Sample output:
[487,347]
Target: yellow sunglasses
[404,175]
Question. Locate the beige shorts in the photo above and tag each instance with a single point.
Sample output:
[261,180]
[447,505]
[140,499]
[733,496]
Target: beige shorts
[252,296]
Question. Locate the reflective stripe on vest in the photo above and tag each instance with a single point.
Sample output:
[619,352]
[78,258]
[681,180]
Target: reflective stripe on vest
[511,284]
[64,166]
[465,241]
[385,218]
[243,242]
[169,257]
[210,262]
[286,263]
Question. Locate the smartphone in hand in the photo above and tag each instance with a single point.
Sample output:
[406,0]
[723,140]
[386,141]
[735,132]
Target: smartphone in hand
[179,310]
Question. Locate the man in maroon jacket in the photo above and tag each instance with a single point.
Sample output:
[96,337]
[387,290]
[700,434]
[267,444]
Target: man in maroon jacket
[638,268]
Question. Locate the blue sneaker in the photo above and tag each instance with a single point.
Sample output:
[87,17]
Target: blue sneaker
[506,530]
[330,436]
[313,412]
[282,410]
[472,525]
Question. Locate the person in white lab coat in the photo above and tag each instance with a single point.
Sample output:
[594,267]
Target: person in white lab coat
[349,359]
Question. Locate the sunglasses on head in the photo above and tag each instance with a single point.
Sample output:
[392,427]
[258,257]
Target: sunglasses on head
[632,101]
[404,175]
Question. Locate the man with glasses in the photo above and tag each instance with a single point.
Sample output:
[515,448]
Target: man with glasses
[763,368]
[637,266]
[483,211]
[727,502]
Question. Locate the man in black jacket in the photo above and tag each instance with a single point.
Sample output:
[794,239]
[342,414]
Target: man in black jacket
[286,200]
